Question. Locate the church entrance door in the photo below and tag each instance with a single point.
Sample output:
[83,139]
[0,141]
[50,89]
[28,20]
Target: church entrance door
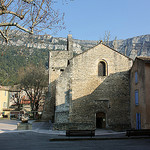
[100,120]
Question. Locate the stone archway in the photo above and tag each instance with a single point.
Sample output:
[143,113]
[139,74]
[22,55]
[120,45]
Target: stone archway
[100,120]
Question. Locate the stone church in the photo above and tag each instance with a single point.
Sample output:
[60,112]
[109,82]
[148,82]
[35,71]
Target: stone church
[89,90]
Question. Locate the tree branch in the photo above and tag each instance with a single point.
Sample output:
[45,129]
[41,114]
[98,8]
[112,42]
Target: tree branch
[11,12]
[17,25]
[29,16]
[33,24]
[4,36]
[8,4]
[28,1]
[14,13]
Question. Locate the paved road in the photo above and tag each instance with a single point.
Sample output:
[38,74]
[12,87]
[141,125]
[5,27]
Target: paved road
[37,141]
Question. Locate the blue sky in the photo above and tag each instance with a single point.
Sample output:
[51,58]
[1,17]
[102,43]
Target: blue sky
[89,19]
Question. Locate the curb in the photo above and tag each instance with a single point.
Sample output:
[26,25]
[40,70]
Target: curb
[84,139]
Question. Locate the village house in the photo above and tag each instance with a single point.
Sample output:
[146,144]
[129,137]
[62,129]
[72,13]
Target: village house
[14,102]
[140,93]
[4,101]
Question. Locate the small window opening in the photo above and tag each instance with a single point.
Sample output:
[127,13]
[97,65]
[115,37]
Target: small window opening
[102,69]
[68,62]
[61,69]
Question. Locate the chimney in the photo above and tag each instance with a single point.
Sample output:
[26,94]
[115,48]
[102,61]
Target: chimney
[69,43]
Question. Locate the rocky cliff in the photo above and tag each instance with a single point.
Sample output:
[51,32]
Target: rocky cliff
[24,49]
[132,47]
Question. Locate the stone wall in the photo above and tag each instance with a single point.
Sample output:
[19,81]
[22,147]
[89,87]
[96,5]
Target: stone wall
[73,126]
[91,93]
[47,114]
[63,97]
[85,69]
[58,61]
[110,97]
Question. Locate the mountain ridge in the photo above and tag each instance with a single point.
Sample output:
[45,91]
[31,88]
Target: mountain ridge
[24,49]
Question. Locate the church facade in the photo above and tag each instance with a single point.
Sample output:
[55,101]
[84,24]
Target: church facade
[90,90]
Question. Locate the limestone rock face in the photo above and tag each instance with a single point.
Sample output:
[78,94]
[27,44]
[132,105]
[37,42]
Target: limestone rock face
[132,47]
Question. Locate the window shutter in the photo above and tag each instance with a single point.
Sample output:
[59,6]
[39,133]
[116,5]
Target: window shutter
[136,77]
[136,98]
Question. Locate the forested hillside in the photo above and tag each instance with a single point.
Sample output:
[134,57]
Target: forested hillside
[13,57]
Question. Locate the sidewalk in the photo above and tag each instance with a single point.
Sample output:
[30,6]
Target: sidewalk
[99,135]
[9,126]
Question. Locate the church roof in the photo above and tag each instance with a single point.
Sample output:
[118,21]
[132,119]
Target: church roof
[106,46]
[144,58]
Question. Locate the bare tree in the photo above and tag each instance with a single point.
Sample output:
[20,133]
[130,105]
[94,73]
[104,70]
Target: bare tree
[31,16]
[34,80]
[107,37]
[15,98]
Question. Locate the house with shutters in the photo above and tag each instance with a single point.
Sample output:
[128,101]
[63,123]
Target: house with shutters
[140,93]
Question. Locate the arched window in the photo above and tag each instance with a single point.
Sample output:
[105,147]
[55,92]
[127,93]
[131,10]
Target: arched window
[101,68]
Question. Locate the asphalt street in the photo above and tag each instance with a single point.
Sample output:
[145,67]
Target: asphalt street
[39,138]
[37,141]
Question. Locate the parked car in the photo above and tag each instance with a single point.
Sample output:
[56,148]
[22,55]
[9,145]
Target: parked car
[12,116]
[19,116]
